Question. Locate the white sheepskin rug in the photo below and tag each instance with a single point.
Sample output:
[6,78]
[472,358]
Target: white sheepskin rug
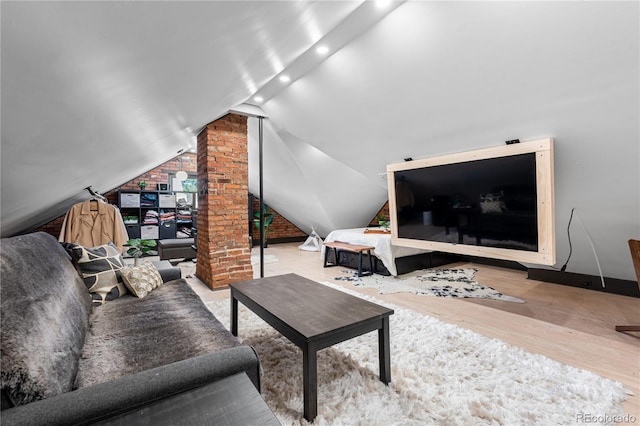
[429,282]
[441,375]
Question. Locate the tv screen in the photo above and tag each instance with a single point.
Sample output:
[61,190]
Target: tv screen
[492,203]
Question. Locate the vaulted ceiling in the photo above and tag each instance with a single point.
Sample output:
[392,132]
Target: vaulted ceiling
[96,93]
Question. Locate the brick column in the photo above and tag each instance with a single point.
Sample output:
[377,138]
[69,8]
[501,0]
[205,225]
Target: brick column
[224,255]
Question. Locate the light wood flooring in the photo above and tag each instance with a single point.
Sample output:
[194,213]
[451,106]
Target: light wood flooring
[571,325]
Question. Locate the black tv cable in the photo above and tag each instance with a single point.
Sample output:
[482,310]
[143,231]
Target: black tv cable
[564,267]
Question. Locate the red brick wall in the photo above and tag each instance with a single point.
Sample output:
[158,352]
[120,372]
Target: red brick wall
[161,173]
[53,227]
[224,254]
[279,228]
[383,211]
[154,176]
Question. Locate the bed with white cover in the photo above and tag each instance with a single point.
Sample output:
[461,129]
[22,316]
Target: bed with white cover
[384,250]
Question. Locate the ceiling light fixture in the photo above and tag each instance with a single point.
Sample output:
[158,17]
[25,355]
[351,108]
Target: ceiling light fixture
[322,50]
[363,17]
[181,175]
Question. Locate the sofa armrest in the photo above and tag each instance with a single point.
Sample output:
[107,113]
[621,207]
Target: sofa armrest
[168,272]
[94,403]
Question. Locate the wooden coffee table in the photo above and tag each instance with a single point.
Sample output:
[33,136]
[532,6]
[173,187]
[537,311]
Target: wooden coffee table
[312,316]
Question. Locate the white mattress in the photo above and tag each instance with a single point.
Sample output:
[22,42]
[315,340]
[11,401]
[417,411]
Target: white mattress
[384,250]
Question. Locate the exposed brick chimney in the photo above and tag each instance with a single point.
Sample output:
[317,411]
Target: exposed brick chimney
[224,254]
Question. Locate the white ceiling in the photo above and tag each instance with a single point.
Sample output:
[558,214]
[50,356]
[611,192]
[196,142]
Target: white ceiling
[95,93]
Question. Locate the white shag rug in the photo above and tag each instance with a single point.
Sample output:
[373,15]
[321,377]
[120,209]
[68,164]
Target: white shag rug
[441,375]
[429,282]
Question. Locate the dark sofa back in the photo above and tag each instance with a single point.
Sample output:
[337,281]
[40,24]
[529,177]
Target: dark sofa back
[45,309]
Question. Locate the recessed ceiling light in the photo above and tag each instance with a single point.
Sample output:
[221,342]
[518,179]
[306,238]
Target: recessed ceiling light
[285,78]
[383,3]
[322,50]
[258,98]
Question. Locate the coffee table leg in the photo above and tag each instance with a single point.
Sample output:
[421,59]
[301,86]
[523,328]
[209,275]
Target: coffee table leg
[384,353]
[234,316]
[310,382]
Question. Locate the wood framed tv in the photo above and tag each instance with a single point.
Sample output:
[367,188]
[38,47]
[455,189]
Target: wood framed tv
[493,202]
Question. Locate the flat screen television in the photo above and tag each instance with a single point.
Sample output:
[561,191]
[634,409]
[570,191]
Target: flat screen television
[494,202]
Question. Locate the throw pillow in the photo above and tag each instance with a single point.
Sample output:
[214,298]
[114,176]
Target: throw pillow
[492,203]
[141,279]
[100,267]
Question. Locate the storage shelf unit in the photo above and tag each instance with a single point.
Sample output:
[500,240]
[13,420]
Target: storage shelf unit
[157,215]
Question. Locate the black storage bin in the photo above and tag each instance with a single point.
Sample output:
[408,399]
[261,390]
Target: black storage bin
[167,230]
[133,231]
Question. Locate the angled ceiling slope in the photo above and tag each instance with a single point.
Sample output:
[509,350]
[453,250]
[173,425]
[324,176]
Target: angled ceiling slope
[310,188]
[440,77]
[96,93]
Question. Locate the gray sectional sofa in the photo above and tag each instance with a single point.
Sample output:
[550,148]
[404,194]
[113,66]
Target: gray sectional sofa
[65,362]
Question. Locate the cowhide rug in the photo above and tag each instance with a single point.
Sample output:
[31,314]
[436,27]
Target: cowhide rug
[430,282]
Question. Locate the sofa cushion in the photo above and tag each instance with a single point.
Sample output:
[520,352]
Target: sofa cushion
[142,279]
[45,311]
[131,335]
[100,268]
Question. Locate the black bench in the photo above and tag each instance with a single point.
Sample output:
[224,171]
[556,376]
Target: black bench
[176,248]
[338,246]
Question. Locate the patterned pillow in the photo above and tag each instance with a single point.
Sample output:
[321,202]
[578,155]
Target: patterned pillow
[142,279]
[492,203]
[100,269]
